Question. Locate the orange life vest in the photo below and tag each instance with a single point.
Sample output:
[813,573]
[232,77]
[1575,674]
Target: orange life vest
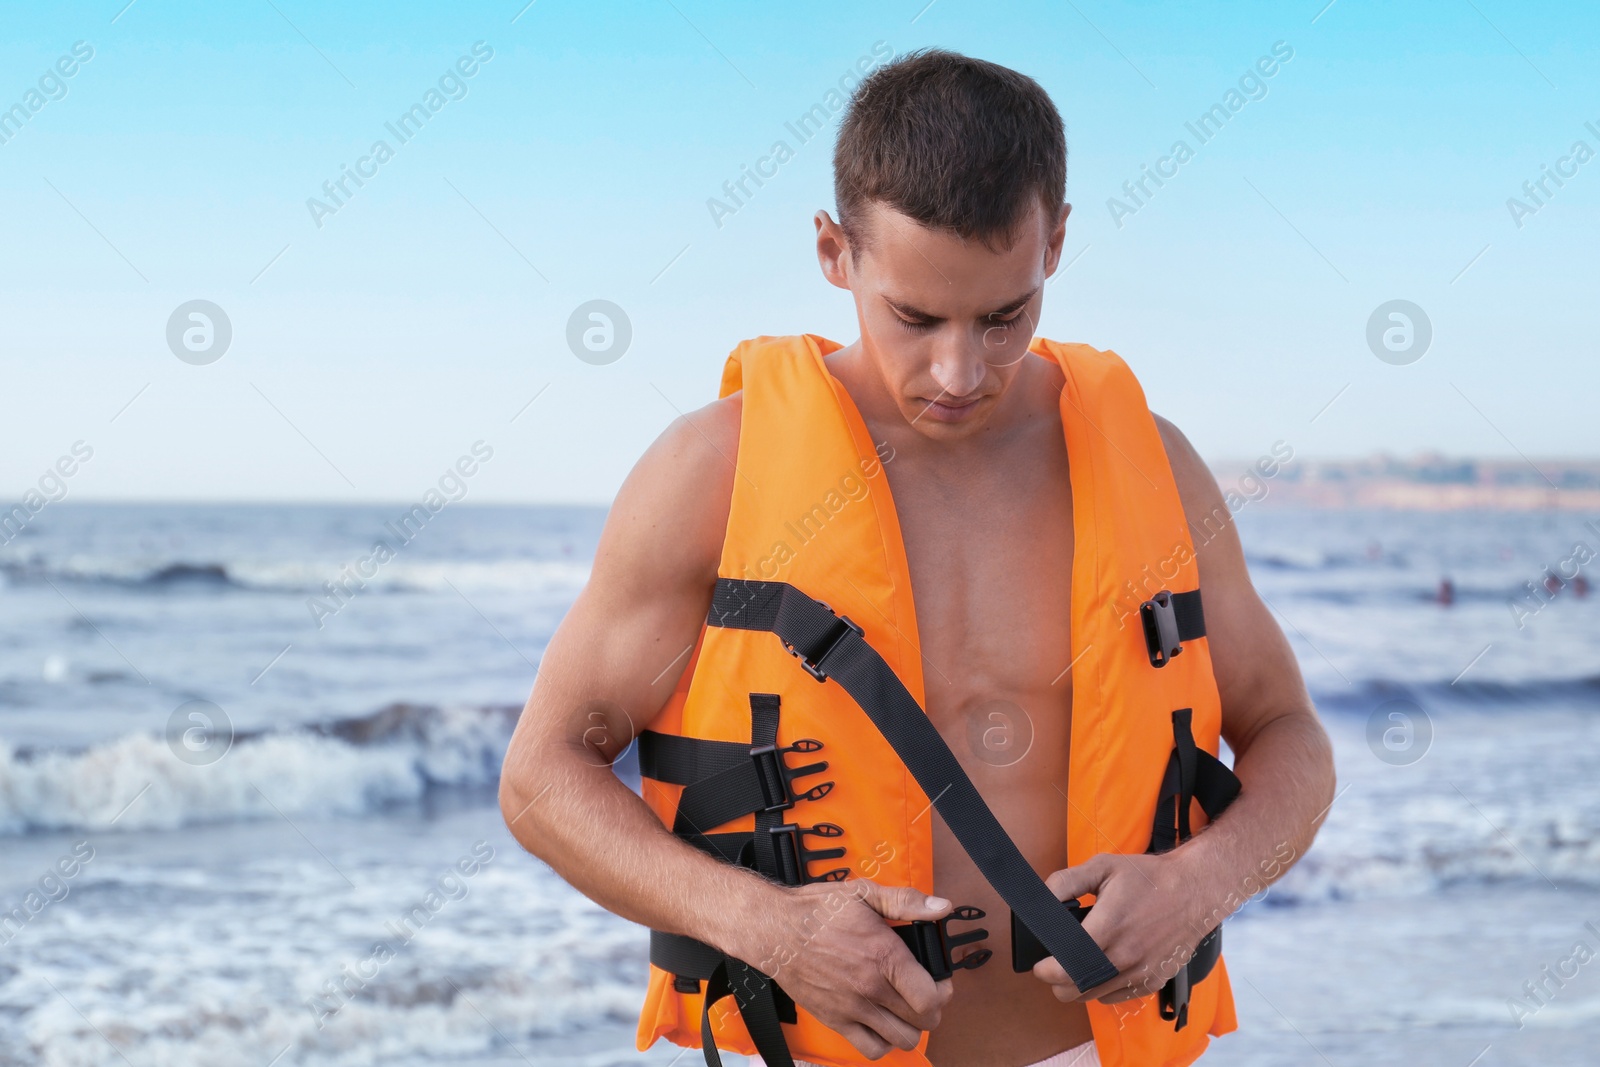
[811,509]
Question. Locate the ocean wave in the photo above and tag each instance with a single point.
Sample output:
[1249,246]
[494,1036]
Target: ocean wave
[451,997]
[348,767]
[1530,849]
[1316,559]
[302,576]
[1376,843]
[1581,691]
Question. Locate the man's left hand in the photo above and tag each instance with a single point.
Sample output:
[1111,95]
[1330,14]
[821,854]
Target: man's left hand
[1149,914]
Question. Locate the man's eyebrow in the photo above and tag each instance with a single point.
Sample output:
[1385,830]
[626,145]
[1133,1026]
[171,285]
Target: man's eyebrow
[907,310]
[1015,304]
[910,311]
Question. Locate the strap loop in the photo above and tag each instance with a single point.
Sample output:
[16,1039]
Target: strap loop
[1170,619]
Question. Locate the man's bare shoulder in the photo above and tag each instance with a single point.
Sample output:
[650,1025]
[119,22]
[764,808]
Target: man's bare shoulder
[1202,499]
[1187,466]
[673,507]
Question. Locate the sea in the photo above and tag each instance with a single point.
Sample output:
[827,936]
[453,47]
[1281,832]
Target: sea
[244,820]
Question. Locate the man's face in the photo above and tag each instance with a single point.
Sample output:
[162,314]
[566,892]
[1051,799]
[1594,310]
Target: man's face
[945,322]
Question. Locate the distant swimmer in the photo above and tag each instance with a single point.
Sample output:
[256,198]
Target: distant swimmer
[1552,584]
[1580,587]
[1447,592]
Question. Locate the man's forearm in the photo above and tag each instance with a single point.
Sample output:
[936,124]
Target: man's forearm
[603,839]
[1288,782]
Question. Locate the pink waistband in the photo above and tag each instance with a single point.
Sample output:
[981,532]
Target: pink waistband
[1082,1055]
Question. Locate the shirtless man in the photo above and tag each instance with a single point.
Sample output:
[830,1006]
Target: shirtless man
[979,468]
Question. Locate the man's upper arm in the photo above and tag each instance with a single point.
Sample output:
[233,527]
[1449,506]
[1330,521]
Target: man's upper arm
[1257,674]
[622,647]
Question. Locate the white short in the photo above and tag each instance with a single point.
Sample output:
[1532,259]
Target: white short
[1082,1055]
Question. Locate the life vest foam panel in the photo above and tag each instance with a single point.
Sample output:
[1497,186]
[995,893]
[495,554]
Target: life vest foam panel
[811,506]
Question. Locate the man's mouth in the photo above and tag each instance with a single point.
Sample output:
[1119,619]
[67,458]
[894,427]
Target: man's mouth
[950,409]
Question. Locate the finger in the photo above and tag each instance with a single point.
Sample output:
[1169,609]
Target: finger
[1085,878]
[902,903]
[915,997]
[866,1040]
[1129,985]
[891,1027]
[1067,991]
[1050,971]
[1099,925]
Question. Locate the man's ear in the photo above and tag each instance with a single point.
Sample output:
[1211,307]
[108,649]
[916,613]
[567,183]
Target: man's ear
[1052,248]
[833,250]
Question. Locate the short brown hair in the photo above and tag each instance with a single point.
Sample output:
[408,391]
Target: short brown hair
[953,142]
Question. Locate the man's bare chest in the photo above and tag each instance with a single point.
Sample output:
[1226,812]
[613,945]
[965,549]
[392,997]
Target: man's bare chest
[990,550]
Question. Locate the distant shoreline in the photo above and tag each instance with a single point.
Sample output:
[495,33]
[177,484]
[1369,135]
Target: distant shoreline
[1422,483]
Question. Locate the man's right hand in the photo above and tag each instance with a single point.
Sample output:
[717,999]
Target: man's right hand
[830,947]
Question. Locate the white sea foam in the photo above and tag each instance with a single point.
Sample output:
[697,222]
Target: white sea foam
[308,576]
[135,782]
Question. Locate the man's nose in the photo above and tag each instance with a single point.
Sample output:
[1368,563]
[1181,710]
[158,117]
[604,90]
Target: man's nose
[959,367]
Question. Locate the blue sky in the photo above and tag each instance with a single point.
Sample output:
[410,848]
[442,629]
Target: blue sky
[371,351]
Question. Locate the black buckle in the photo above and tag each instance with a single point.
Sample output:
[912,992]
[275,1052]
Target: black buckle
[1160,628]
[1173,1000]
[814,667]
[1027,950]
[777,778]
[932,943]
[794,858]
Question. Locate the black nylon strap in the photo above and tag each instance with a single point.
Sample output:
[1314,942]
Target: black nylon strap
[684,955]
[732,848]
[1215,784]
[1027,951]
[719,778]
[833,648]
[764,731]
[1192,774]
[756,997]
[1184,751]
[685,760]
[1186,611]
[721,798]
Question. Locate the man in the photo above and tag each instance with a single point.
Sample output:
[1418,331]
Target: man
[1054,533]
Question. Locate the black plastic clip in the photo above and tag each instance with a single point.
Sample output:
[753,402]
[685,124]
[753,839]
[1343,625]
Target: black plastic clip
[932,943]
[1160,628]
[794,859]
[1027,950]
[814,667]
[777,778]
[1173,1000]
